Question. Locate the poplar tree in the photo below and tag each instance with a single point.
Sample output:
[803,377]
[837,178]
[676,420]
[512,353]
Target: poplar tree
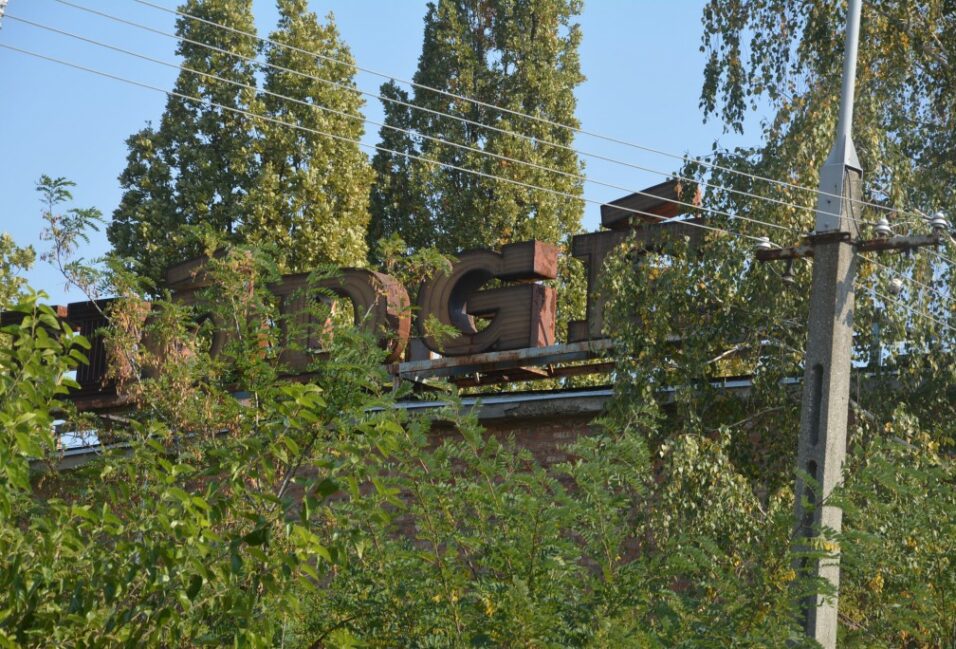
[198,166]
[145,225]
[517,54]
[311,197]
[396,203]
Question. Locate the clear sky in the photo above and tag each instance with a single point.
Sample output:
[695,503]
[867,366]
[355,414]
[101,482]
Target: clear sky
[641,59]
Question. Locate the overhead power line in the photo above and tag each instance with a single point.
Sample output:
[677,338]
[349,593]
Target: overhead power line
[902,276]
[262,65]
[343,138]
[411,132]
[516,113]
[891,300]
[941,257]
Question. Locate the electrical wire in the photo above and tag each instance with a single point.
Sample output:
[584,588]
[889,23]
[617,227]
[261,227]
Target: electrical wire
[477,102]
[890,300]
[464,120]
[941,257]
[903,276]
[343,138]
[407,131]
[412,132]
[885,298]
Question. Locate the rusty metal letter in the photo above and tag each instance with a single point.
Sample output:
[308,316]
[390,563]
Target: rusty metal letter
[186,280]
[593,249]
[381,305]
[521,316]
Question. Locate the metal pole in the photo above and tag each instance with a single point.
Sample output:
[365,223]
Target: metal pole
[826,391]
[848,91]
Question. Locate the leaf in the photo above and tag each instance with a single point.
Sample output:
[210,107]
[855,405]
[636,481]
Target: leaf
[257,536]
[180,495]
[27,445]
[326,488]
[195,584]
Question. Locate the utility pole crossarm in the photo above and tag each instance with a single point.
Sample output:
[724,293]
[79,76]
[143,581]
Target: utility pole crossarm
[880,244]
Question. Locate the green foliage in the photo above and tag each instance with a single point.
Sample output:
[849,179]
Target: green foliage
[695,314]
[227,170]
[722,500]
[521,57]
[35,357]
[13,261]
[235,508]
[146,226]
[396,204]
[518,55]
[66,232]
[455,582]
[202,513]
[230,507]
[791,54]
[483,547]
[311,197]
[411,266]
[228,533]
[899,586]
[199,165]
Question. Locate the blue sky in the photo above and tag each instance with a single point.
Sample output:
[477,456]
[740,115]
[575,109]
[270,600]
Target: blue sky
[641,59]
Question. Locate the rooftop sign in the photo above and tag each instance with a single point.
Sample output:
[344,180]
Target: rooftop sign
[519,310]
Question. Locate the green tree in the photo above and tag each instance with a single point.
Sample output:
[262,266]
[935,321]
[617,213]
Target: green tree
[197,168]
[790,56]
[311,197]
[733,316]
[156,542]
[520,55]
[396,205]
[613,548]
[146,226]
[13,261]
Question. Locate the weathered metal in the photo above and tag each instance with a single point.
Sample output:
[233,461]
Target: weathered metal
[458,366]
[87,319]
[497,302]
[897,243]
[792,252]
[594,248]
[380,304]
[662,200]
[520,316]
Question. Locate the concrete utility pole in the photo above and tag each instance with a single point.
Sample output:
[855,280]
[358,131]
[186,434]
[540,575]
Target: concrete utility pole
[826,383]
